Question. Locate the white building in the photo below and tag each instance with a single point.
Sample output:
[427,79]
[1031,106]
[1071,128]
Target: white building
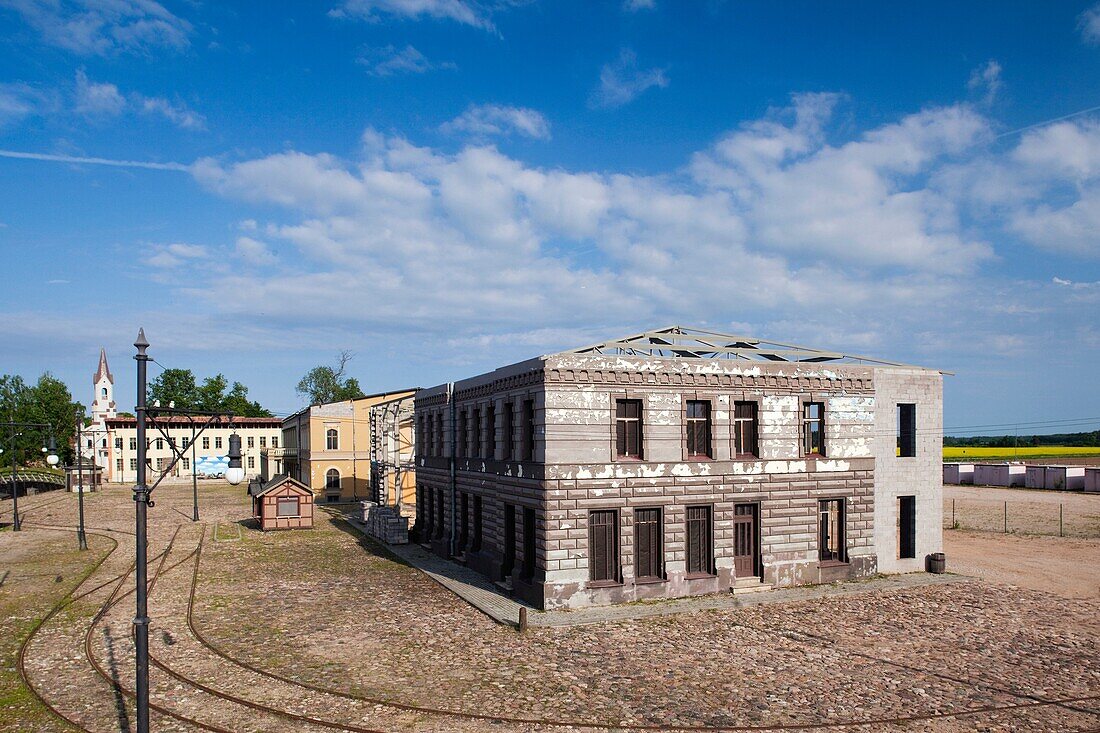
[206,455]
[94,438]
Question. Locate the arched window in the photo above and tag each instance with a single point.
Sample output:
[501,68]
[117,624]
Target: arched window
[332,479]
[103,393]
[332,439]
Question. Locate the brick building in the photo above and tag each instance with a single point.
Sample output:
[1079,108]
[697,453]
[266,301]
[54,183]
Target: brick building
[679,462]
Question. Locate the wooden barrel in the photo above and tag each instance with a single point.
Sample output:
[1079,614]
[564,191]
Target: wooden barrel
[937,562]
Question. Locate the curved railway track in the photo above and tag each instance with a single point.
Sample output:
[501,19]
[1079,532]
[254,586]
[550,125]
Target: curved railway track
[992,709]
[117,596]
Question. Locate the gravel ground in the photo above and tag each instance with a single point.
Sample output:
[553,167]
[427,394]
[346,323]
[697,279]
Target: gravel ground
[324,607]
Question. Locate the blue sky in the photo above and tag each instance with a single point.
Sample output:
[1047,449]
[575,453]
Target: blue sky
[443,186]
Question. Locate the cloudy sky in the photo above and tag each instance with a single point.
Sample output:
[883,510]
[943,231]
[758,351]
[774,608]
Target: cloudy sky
[444,186]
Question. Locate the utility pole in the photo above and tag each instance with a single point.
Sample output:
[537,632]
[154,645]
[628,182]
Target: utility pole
[141,567]
[81,538]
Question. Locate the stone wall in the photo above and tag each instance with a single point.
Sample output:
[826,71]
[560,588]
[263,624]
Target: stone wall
[920,476]
[574,470]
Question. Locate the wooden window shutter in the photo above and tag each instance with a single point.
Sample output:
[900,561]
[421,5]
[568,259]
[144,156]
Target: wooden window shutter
[698,543]
[601,540]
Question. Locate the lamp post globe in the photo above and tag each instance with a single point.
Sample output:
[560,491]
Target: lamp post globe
[235,473]
[51,453]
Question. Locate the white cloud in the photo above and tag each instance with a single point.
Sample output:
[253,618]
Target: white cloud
[254,252]
[389,60]
[1089,24]
[487,120]
[19,101]
[621,81]
[171,256]
[97,99]
[102,27]
[633,6]
[177,113]
[467,12]
[986,81]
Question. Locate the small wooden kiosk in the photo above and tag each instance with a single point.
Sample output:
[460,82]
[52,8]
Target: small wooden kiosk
[282,503]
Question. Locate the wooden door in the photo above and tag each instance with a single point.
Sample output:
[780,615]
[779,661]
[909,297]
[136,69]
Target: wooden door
[744,540]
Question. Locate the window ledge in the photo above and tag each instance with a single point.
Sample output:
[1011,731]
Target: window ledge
[832,563]
[604,584]
[629,459]
[650,581]
[698,458]
[699,576]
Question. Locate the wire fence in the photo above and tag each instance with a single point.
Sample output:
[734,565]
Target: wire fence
[1023,517]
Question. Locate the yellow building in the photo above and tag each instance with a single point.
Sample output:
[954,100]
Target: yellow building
[329,448]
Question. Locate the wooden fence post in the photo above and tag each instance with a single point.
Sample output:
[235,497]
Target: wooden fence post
[522,620]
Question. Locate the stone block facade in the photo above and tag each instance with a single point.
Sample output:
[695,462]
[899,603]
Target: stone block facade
[512,464]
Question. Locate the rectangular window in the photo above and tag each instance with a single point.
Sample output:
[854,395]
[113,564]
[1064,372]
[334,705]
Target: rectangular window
[647,544]
[171,442]
[698,429]
[286,506]
[460,433]
[263,441]
[628,428]
[463,521]
[217,441]
[133,443]
[162,464]
[160,443]
[186,464]
[528,452]
[508,430]
[907,430]
[831,531]
[603,545]
[813,428]
[251,462]
[251,442]
[133,464]
[745,429]
[118,465]
[206,443]
[118,443]
[477,524]
[475,441]
[698,540]
[274,441]
[438,443]
[907,526]
[439,514]
[490,450]
[529,552]
[186,442]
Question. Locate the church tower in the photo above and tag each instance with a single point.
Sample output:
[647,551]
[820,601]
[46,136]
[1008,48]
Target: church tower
[103,406]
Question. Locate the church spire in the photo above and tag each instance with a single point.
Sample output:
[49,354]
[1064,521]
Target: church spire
[103,370]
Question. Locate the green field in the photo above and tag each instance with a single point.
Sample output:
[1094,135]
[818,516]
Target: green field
[957,453]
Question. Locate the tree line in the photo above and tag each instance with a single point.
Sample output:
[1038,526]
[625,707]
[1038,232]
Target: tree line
[1074,440]
[47,401]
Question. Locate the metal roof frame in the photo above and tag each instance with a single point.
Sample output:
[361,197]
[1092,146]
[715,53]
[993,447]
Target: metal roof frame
[697,343]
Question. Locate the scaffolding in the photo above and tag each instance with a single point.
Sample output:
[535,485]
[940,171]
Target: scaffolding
[392,449]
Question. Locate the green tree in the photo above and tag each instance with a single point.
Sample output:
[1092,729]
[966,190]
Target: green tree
[328,384]
[47,401]
[179,386]
[174,385]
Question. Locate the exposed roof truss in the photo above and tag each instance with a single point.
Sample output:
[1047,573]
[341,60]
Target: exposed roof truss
[694,343]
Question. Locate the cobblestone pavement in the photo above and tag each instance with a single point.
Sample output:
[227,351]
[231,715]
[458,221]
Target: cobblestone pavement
[366,643]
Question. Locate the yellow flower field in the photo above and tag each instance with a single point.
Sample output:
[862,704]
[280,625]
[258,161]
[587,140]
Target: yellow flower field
[1039,451]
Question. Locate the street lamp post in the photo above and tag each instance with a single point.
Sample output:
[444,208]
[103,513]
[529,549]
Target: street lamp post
[142,494]
[141,500]
[81,538]
[51,459]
